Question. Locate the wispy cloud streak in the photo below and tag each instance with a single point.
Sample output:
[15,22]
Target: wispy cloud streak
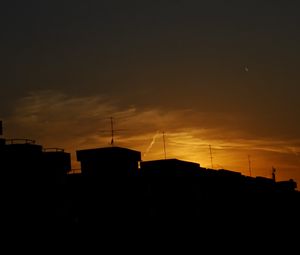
[58,120]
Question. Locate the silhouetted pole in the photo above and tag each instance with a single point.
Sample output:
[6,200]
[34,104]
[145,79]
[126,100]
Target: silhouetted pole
[211,158]
[273,174]
[1,128]
[164,145]
[249,163]
[112,131]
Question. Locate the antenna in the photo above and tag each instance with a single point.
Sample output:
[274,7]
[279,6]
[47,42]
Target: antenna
[249,163]
[273,174]
[211,158]
[1,128]
[112,130]
[164,144]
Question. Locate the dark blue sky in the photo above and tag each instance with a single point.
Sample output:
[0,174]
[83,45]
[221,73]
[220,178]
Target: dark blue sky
[83,46]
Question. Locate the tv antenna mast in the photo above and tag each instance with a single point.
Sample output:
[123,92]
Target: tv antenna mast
[164,141]
[1,128]
[249,164]
[273,174]
[211,157]
[112,130]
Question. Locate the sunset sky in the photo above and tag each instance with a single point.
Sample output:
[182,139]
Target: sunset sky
[211,72]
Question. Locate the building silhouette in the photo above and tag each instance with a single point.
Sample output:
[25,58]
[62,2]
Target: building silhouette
[116,191]
[33,179]
[169,168]
[109,162]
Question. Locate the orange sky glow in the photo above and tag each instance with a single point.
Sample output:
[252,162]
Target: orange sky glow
[56,120]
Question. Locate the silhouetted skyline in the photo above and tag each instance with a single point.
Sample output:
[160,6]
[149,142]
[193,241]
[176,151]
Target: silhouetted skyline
[116,192]
[219,73]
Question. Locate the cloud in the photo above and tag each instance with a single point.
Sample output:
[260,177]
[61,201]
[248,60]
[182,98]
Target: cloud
[55,119]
